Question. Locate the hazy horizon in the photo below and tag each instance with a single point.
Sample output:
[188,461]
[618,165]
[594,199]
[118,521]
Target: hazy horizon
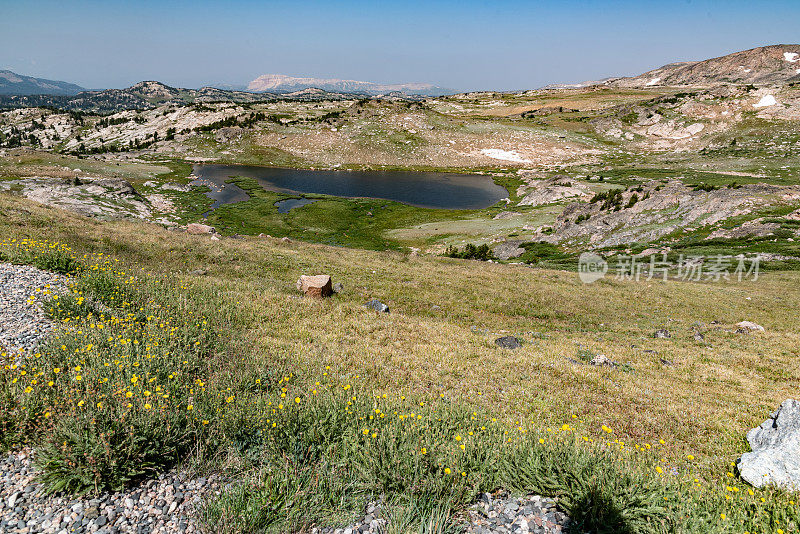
[468,45]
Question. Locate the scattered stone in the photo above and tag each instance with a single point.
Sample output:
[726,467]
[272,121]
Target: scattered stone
[338,287]
[377,305]
[198,272]
[698,336]
[663,333]
[200,229]
[318,286]
[666,363]
[748,326]
[775,445]
[508,342]
[285,240]
[602,360]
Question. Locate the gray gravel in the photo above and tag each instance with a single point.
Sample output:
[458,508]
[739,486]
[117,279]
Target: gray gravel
[23,325]
[163,505]
[500,513]
[505,514]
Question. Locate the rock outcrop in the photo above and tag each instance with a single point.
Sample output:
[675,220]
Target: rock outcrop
[540,192]
[104,198]
[659,209]
[199,229]
[775,444]
[508,249]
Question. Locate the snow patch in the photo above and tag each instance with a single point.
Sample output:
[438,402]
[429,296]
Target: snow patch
[766,101]
[791,57]
[653,82]
[506,155]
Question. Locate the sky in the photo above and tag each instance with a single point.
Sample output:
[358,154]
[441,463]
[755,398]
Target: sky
[463,45]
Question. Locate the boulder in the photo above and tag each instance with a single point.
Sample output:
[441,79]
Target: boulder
[116,186]
[377,305]
[508,342]
[663,333]
[508,249]
[748,326]
[200,229]
[775,456]
[315,286]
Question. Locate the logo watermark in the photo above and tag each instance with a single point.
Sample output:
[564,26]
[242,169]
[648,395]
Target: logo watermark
[592,267]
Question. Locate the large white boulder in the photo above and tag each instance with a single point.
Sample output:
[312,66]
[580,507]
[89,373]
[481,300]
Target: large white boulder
[775,444]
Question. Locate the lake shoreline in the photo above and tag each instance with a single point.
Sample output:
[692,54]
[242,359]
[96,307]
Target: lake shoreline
[418,189]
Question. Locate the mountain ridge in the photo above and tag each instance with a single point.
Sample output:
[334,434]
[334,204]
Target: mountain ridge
[12,83]
[280,83]
[764,65]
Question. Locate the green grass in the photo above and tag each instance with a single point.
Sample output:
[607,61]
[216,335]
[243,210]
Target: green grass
[262,347]
[129,392]
[309,453]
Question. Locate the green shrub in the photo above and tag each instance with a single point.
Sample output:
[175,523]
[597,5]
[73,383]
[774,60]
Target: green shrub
[471,252]
[596,489]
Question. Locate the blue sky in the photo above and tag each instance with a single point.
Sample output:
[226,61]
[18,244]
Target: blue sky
[460,44]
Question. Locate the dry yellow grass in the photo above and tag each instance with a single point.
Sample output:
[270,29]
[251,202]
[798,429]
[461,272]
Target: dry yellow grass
[703,404]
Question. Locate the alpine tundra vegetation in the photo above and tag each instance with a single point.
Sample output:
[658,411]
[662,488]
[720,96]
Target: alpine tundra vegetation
[335,306]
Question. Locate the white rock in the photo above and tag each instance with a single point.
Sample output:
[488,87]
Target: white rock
[775,444]
[749,325]
[766,101]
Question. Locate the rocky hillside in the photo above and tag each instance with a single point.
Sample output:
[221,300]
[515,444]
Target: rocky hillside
[765,65]
[280,83]
[150,94]
[16,84]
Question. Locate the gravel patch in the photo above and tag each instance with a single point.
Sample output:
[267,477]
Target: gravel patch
[516,515]
[163,505]
[23,324]
[492,514]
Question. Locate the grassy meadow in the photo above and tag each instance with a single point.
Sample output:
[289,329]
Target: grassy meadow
[319,406]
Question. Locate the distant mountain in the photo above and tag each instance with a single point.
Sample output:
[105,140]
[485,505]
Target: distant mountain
[16,84]
[766,65]
[279,83]
[149,94]
[578,85]
[227,86]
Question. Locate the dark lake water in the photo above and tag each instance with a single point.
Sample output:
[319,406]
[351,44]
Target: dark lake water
[285,206]
[422,189]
